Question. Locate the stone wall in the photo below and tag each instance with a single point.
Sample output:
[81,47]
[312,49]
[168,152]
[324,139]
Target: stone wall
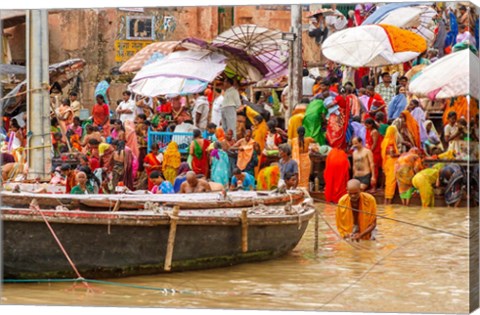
[91,34]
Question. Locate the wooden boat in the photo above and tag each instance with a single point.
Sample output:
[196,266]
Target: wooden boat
[235,199]
[116,244]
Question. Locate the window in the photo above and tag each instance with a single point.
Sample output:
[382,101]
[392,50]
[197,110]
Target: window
[140,27]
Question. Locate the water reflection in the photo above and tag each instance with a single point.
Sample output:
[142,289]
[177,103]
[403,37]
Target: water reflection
[408,269]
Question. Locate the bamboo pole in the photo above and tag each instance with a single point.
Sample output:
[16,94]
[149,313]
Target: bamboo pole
[171,238]
[244,219]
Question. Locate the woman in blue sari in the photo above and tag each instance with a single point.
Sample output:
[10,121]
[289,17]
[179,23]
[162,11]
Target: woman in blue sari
[103,88]
[398,104]
[220,170]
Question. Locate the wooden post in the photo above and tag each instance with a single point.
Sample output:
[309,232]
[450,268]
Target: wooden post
[171,238]
[244,231]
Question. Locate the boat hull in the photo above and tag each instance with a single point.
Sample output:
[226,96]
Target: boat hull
[104,245]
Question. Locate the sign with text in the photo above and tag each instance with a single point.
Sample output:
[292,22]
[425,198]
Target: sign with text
[126,49]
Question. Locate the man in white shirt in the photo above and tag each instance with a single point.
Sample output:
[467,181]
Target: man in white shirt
[126,109]
[231,102]
[200,111]
[75,104]
[307,84]
[217,107]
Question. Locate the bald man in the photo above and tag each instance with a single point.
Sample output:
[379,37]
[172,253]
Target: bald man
[352,224]
[194,184]
[83,187]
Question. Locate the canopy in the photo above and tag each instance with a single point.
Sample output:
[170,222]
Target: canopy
[373,46]
[12,69]
[411,16]
[383,10]
[259,42]
[181,72]
[62,73]
[140,58]
[454,75]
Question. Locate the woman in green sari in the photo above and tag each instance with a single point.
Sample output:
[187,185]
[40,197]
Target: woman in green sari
[314,120]
[198,151]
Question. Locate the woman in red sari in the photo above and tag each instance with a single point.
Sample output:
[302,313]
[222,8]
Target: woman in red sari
[336,175]
[337,124]
[198,151]
[151,163]
[373,141]
[101,115]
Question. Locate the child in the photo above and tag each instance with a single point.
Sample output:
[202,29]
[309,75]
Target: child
[76,127]
[329,102]
[161,185]
[211,129]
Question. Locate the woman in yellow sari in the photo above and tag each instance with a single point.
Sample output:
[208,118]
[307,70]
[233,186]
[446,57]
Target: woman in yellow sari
[171,162]
[410,130]
[296,121]
[424,181]
[259,135]
[300,153]
[406,166]
[268,177]
[390,155]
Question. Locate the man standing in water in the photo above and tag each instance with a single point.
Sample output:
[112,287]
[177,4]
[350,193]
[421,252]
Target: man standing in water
[356,213]
[363,165]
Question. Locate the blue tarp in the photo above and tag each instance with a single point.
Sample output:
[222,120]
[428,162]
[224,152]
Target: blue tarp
[383,10]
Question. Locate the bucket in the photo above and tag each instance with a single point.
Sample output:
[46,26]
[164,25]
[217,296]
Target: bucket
[84,114]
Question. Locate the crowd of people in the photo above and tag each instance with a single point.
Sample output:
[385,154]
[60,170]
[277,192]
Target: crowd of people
[368,128]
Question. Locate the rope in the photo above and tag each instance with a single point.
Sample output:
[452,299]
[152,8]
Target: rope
[395,220]
[120,284]
[36,207]
[368,271]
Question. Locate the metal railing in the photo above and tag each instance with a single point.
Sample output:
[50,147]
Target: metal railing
[163,138]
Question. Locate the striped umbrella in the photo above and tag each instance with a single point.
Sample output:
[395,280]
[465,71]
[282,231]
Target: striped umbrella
[140,58]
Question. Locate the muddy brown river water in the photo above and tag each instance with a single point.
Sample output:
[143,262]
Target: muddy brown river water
[408,269]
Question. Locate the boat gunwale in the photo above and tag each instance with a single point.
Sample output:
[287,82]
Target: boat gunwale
[119,218]
[136,202]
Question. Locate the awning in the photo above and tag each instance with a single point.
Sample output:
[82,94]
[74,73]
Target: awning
[12,18]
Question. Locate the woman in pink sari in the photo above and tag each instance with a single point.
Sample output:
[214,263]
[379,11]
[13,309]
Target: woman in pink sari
[131,137]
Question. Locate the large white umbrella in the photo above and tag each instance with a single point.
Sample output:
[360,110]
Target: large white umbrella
[373,46]
[414,17]
[181,72]
[454,75]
